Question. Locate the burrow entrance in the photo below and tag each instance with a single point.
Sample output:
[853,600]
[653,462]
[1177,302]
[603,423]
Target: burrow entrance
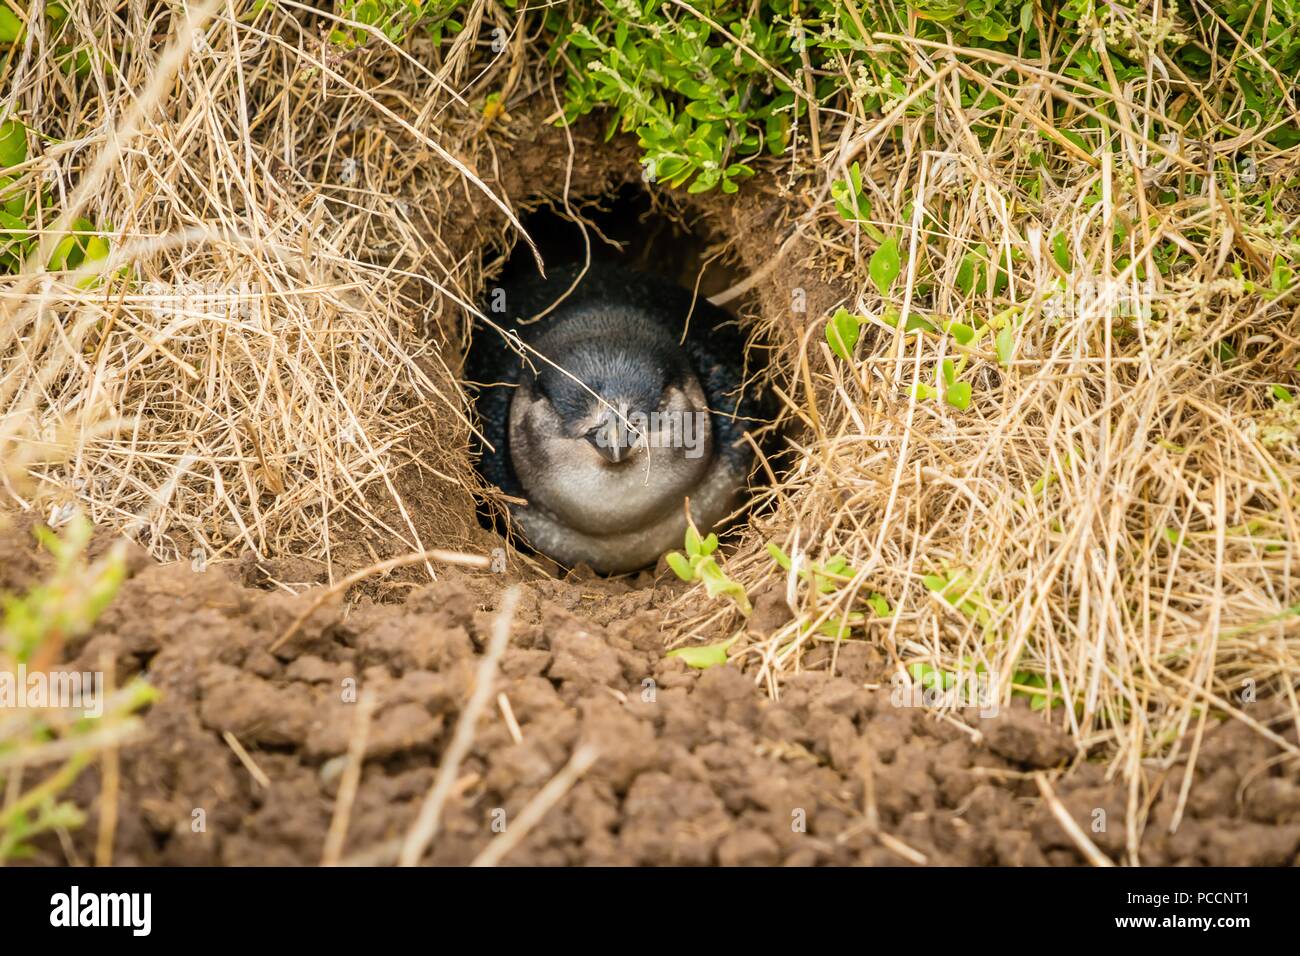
[626,225]
[629,227]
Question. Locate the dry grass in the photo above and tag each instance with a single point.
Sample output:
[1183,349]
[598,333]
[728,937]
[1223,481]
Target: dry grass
[260,373]
[1118,501]
[1117,504]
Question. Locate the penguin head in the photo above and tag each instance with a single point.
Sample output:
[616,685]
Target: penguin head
[605,393]
[614,433]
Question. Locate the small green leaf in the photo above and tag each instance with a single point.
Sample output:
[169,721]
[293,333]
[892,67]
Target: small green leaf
[74,60]
[885,265]
[16,203]
[681,567]
[1282,275]
[931,677]
[96,248]
[879,605]
[823,584]
[708,571]
[966,275]
[11,28]
[958,395]
[1005,344]
[717,583]
[962,333]
[990,28]
[839,627]
[13,223]
[1282,394]
[694,543]
[13,143]
[66,255]
[703,656]
[848,194]
[779,556]
[935,582]
[842,332]
[1061,251]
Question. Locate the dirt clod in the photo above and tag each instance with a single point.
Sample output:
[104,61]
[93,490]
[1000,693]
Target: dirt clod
[1023,737]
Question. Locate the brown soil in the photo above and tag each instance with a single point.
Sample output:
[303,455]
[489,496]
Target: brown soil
[708,771]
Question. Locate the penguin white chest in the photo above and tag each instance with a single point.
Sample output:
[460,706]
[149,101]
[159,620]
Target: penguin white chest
[569,476]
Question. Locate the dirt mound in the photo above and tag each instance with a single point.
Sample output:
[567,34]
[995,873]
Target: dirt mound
[243,755]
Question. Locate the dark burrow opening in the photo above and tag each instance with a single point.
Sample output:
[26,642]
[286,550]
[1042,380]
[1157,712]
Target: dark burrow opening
[626,227]
[628,230]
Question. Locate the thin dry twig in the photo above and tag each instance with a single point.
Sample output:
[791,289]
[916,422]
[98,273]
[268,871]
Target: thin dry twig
[256,772]
[538,807]
[1068,824]
[425,827]
[350,781]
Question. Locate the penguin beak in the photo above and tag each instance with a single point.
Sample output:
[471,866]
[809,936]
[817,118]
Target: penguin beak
[607,440]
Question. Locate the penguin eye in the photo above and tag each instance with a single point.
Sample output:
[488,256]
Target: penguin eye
[599,437]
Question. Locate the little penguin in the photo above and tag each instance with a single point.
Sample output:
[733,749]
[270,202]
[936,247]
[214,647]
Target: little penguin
[627,400]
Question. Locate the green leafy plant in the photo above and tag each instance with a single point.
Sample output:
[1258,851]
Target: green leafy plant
[703,656]
[699,564]
[700,105]
[11,28]
[852,203]
[885,265]
[955,393]
[842,332]
[75,60]
[19,204]
[34,628]
[959,589]
[396,20]
[708,87]
[827,577]
[1005,343]
[1033,687]
[65,605]
[939,679]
